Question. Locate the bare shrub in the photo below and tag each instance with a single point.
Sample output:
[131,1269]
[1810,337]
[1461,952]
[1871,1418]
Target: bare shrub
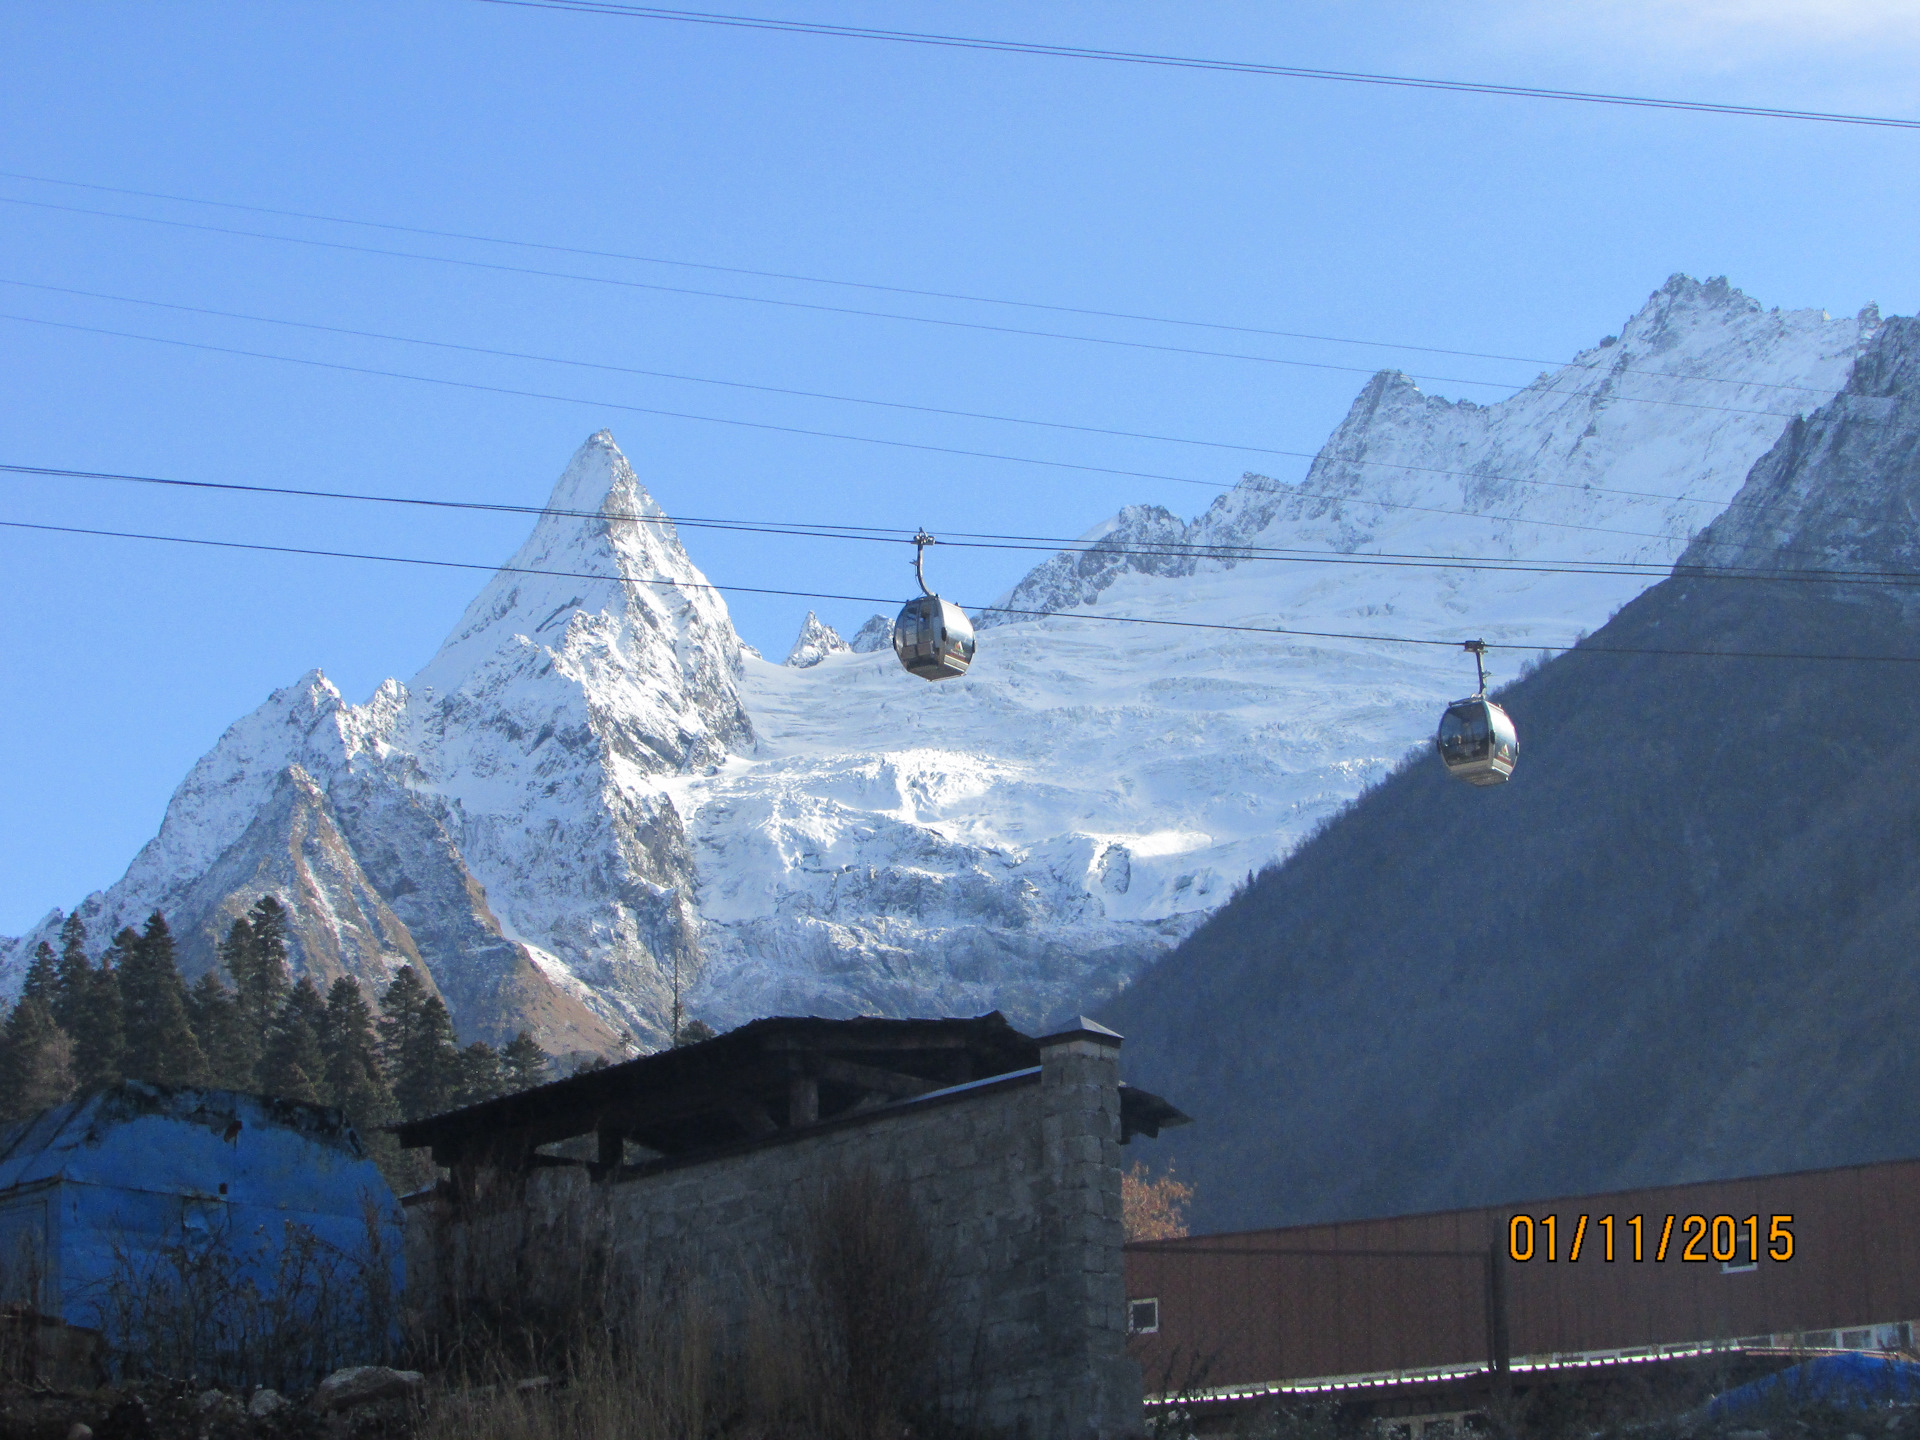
[652,1378]
[523,1285]
[239,1310]
[852,1356]
[23,1273]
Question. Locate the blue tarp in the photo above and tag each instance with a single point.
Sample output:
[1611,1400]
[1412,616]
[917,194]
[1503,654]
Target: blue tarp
[1853,1379]
[148,1174]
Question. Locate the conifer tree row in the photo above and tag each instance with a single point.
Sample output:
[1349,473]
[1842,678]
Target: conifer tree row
[81,1025]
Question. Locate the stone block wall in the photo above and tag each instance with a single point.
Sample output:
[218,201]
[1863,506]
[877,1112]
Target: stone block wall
[1016,1180]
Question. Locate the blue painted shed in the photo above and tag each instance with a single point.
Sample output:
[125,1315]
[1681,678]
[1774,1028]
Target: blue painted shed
[155,1179]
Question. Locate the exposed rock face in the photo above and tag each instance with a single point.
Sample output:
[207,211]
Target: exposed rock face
[876,634]
[524,773]
[816,641]
[569,817]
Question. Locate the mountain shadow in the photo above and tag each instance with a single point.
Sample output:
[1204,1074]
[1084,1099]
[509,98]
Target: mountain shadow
[1683,943]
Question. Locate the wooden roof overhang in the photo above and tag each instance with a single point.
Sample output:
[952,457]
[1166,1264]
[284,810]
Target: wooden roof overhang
[765,1077]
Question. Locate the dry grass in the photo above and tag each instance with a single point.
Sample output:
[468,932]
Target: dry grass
[239,1311]
[553,1338]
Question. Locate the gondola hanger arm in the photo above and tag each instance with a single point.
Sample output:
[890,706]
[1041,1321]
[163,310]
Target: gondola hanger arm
[1479,649]
[921,539]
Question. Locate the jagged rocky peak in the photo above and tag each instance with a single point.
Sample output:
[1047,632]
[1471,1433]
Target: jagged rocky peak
[601,605]
[305,725]
[876,634]
[1139,539]
[1841,486]
[816,641]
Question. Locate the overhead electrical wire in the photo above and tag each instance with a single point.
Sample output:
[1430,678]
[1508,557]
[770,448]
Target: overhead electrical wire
[1578,647]
[650,374]
[1276,487]
[1232,445]
[808,431]
[1191,62]
[890,289]
[1052,544]
[945,322]
[747,299]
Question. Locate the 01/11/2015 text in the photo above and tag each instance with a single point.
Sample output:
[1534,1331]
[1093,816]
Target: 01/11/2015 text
[1700,1238]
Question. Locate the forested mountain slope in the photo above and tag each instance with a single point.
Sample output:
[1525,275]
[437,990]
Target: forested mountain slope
[1683,943]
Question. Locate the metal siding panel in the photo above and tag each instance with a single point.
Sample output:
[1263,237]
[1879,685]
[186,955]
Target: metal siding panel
[1857,1261]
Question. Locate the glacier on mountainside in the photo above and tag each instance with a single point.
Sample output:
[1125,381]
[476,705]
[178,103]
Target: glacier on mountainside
[1031,834]
[595,805]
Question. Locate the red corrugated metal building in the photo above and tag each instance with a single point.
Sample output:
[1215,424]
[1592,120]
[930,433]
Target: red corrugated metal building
[1429,1314]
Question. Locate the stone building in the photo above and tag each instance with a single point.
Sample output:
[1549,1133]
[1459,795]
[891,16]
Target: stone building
[704,1166]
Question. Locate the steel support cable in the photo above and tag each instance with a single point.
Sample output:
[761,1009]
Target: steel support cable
[879,314]
[886,404]
[968,540]
[886,289]
[1648,570]
[990,541]
[1192,62]
[800,430]
[1580,647]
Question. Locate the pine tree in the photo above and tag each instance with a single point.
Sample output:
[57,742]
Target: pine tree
[360,1089]
[160,1044]
[294,1066]
[269,920]
[99,1026]
[43,977]
[215,1015]
[255,956]
[353,1066]
[36,1060]
[400,1017]
[477,1075]
[523,1064]
[70,999]
[418,1046]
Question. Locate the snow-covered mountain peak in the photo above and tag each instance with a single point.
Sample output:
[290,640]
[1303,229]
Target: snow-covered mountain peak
[816,641]
[567,810]
[602,547]
[304,726]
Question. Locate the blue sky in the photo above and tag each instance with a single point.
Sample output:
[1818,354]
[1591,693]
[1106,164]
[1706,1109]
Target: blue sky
[1518,227]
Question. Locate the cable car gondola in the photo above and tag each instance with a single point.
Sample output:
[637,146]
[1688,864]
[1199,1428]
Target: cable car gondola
[1477,741]
[932,637]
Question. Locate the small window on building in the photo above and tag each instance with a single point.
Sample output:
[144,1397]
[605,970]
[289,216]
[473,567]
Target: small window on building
[1738,1267]
[1856,1339]
[1143,1317]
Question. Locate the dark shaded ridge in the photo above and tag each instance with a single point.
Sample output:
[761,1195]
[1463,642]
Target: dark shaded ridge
[1680,945]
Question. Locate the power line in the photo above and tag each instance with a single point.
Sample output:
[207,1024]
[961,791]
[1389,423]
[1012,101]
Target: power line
[979,609]
[1189,62]
[884,289]
[968,540]
[975,325]
[604,404]
[730,295]
[881,404]
[654,374]
[803,430]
